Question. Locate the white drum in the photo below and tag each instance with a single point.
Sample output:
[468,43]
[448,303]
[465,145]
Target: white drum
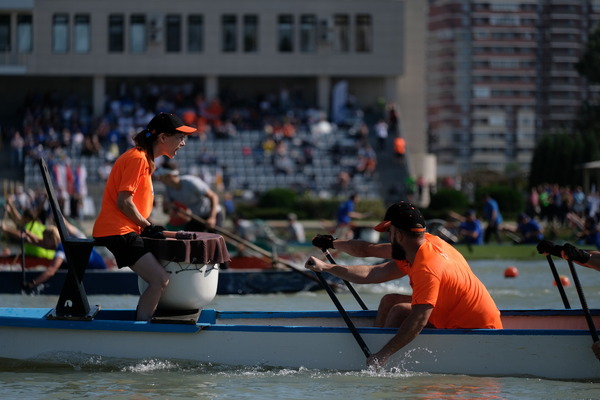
[191,286]
[193,267]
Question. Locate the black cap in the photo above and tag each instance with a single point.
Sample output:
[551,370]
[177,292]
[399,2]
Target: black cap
[404,216]
[168,123]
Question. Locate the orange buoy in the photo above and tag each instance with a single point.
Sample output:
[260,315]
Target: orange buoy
[564,280]
[511,272]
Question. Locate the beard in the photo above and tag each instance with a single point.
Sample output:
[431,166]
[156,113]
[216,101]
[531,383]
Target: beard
[398,252]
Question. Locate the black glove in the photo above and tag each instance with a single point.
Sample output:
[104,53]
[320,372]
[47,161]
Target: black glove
[153,231]
[548,247]
[323,241]
[574,254]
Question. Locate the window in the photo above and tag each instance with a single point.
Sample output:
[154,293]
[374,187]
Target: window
[137,32]
[286,33]
[116,33]
[482,92]
[60,33]
[504,7]
[24,33]
[250,33]
[341,42]
[81,33]
[308,33]
[364,34]
[173,40]
[195,33]
[4,32]
[229,33]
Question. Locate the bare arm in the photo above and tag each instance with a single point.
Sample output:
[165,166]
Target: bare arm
[408,331]
[214,208]
[594,262]
[48,273]
[358,273]
[127,207]
[361,248]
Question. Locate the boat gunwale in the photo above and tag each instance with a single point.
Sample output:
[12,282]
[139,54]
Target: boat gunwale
[214,320]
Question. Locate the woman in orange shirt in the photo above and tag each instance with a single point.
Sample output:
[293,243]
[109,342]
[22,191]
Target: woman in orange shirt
[445,292]
[127,204]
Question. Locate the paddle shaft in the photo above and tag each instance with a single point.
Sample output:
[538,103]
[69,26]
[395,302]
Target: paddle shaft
[348,285]
[249,244]
[584,306]
[559,284]
[345,316]
[24,274]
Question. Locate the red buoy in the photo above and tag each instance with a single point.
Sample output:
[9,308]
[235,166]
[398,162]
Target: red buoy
[511,272]
[564,280]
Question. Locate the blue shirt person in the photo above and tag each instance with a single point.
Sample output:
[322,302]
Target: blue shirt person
[590,234]
[471,229]
[529,229]
[493,217]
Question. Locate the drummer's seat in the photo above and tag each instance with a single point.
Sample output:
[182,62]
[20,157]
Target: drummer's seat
[73,302]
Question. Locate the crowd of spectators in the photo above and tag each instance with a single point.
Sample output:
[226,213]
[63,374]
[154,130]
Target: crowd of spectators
[60,126]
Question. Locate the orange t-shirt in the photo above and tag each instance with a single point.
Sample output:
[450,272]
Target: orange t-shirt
[400,145]
[440,276]
[130,173]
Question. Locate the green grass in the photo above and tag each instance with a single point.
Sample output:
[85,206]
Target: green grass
[499,252]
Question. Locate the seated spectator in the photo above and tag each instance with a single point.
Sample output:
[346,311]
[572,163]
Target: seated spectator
[529,230]
[471,228]
[367,160]
[590,234]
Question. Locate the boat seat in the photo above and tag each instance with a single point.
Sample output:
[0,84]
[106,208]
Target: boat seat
[176,316]
[73,302]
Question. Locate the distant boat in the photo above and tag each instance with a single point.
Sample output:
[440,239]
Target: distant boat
[245,275]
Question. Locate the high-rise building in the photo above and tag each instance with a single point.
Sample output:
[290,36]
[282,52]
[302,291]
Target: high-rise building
[501,73]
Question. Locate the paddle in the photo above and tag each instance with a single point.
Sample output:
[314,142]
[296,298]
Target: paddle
[558,282]
[348,285]
[584,306]
[344,315]
[258,249]
[24,275]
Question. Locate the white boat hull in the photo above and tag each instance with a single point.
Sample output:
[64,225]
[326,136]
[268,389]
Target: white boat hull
[302,339]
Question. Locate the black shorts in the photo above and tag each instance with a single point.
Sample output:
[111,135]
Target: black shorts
[127,249]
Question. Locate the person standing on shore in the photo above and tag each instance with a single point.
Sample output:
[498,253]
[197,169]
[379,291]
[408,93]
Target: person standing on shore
[493,217]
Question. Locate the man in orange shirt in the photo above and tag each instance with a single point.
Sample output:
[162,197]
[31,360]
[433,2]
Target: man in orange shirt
[445,292]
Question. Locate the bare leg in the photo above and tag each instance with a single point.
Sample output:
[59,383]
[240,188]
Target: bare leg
[393,309]
[149,269]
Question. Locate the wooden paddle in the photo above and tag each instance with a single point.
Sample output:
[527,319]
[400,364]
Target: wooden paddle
[258,249]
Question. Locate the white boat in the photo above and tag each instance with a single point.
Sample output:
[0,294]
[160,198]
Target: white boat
[540,343]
